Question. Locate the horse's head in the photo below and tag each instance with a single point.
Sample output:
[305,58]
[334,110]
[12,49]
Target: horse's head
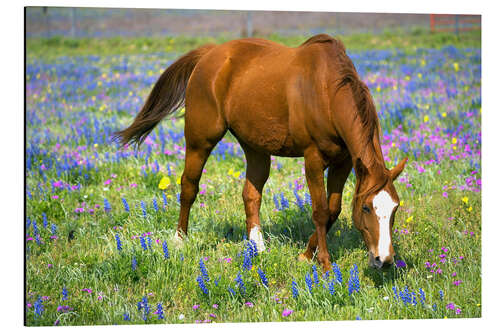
[374,208]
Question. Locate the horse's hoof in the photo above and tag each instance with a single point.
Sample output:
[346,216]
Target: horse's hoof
[303,257]
[177,240]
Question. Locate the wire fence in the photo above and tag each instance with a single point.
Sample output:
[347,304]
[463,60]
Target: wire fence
[111,22]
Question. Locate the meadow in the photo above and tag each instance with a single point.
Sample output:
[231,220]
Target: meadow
[100,218]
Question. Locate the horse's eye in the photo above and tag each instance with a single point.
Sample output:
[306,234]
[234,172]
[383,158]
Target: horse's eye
[366,209]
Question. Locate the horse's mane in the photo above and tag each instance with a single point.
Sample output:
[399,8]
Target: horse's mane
[365,106]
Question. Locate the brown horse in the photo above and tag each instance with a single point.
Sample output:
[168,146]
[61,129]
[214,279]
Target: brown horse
[306,101]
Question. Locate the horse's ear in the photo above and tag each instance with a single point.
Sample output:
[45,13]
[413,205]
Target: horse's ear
[396,171]
[360,168]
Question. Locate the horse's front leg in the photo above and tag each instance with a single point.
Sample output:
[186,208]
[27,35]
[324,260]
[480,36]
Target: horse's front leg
[337,176]
[314,167]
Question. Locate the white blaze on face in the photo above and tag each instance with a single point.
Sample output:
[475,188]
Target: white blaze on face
[383,205]
[256,236]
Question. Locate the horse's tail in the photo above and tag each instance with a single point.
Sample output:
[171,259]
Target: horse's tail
[167,96]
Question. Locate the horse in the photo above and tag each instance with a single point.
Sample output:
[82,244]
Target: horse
[306,101]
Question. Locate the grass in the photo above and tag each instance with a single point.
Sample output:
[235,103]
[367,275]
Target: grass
[73,105]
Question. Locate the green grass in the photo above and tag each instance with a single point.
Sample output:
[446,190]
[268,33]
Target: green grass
[58,46]
[90,259]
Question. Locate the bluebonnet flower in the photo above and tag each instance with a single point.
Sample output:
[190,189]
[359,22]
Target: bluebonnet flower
[331,287]
[421,296]
[107,205]
[143,243]
[395,290]
[441,294]
[276,202]
[118,242]
[166,255]
[145,307]
[247,259]
[216,281]
[126,317]
[231,291]
[309,282]
[64,294]
[358,318]
[159,311]
[125,205]
[164,199]
[178,198]
[337,272]
[263,277]
[253,248]
[143,206]
[405,296]
[353,282]
[38,307]
[134,263]
[307,197]
[35,227]
[204,271]
[201,284]
[295,290]
[240,283]
[284,201]
[155,204]
[44,220]
[28,223]
[413,298]
[299,201]
[37,239]
[434,307]
[315,274]
[53,229]
[150,243]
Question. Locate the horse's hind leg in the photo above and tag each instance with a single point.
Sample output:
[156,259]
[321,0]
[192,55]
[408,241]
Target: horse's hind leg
[203,129]
[256,176]
[337,176]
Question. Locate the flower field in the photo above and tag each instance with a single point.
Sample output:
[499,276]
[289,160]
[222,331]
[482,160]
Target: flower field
[100,219]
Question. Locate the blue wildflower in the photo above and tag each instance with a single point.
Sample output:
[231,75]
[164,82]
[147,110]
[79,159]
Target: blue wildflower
[164,199]
[204,271]
[150,243]
[28,223]
[263,277]
[159,311]
[35,227]
[143,243]
[353,282]
[247,259]
[143,206]
[53,229]
[125,205]
[395,290]
[405,296]
[309,282]
[38,307]
[44,219]
[331,287]
[284,201]
[231,291]
[421,296]
[126,317]
[337,272]
[134,263]
[315,274]
[145,307]
[240,284]
[299,202]
[118,242]
[295,290]
[107,205]
[155,204]
[38,240]
[307,197]
[276,202]
[64,294]
[166,255]
[201,284]
[441,294]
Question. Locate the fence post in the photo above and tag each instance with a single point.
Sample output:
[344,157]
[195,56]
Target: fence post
[457,25]
[249,24]
[432,21]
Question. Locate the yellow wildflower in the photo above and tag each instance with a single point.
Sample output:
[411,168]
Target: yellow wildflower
[455,65]
[469,209]
[426,118]
[454,140]
[178,180]
[410,219]
[164,182]
[465,200]
[444,114]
